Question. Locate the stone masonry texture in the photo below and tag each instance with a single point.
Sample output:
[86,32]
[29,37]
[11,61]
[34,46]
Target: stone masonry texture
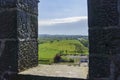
[18,35]
[19,29]
[104,37]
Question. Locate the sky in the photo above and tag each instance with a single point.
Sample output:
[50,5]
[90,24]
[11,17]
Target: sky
[64,17]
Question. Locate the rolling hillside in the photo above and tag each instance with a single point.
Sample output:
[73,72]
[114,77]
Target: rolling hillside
[50,48]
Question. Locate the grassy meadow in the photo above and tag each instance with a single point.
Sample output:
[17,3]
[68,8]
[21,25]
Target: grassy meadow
[49,48]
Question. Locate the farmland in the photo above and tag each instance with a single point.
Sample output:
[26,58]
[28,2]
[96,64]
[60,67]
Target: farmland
[49,47]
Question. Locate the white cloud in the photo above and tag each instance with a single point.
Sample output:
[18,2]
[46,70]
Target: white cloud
[61,20]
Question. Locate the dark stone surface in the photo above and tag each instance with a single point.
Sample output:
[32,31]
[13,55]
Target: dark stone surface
[31,77]
[30,6]
[18,35]
[7,3]
[104,36]
[9,58]
[103,13]
[28,54]
[101,65]
[27,25]
[8,22]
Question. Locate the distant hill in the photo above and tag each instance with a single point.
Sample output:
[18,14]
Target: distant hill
[61,37]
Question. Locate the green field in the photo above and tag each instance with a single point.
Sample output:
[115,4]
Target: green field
[49,49]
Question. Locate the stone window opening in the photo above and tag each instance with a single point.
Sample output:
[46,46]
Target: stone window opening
[40,30]
[17,43]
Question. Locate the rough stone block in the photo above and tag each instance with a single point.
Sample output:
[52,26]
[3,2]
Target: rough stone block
[30,6]
[99,66]
[18,35]
[27,25]
[104,35]
[27,55]
[103,13]
[8,22]
[7,3]
[9,56]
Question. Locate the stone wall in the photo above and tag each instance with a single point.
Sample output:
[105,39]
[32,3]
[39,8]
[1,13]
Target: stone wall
[27,29]
[104,36]
[18,35]
[30,77]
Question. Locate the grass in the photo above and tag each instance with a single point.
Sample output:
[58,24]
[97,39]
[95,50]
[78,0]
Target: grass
[48,50]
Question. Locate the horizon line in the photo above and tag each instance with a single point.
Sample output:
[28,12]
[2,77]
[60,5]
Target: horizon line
[64,34]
